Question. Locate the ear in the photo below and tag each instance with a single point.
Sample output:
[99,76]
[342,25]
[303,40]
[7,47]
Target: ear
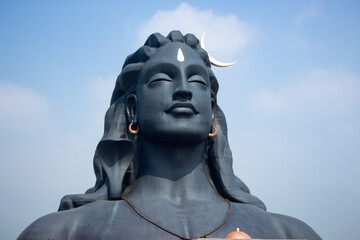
[131,101]
[213,102]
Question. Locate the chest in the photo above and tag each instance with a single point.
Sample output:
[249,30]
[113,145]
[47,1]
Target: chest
[166,221]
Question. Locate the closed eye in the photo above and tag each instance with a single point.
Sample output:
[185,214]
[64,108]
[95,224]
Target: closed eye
[159,77]
[197,79]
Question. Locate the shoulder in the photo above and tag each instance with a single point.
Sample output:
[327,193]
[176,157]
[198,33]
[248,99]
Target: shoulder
[295,228]
[89,218]
[274,225]
[51,226]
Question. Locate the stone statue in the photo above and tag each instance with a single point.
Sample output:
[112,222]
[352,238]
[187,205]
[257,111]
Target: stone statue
[163,166]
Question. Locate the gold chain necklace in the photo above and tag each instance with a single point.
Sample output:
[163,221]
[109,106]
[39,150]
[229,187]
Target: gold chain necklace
[172,233]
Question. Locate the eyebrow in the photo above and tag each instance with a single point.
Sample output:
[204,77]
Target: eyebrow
[171,69]
[194,69]
[164,67]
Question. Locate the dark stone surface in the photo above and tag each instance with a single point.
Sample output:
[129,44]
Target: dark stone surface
[171,171]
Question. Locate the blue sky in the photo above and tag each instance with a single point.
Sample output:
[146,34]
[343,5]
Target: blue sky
[292,100]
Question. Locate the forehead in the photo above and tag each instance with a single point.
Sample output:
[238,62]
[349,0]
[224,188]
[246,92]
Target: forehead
[170,53]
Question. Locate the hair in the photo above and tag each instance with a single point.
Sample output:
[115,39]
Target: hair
[115,160]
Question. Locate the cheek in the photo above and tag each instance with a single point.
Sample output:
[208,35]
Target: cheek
[205,105]
[152,98]
[151,105]
[207,120]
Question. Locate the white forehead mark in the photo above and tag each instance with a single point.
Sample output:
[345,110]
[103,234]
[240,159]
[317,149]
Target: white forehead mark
[180,56]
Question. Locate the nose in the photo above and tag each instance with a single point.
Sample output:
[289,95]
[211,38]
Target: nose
[182,92]
[182,95]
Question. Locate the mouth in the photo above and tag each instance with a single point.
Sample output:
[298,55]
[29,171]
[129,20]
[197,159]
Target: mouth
[182,107]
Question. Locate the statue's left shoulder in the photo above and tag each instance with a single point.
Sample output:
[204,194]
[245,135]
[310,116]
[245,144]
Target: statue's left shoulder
[262,224]
[294,228]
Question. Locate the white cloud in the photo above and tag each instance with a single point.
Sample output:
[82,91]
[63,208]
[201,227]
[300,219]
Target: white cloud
[225,35]
[322,92]
[21,107]
[98,93]
[99,90]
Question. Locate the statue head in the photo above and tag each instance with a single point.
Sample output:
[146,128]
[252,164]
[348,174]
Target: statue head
[172,99]
[167,87]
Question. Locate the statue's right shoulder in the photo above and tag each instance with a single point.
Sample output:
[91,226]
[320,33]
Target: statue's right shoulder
[92,219]
[51,226]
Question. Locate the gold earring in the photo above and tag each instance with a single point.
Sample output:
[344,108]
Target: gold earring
[214,131]
[133,131]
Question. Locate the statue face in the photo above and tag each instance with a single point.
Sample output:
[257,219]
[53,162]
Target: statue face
[174,104]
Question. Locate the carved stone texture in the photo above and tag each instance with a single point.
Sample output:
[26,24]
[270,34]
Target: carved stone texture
[169,180]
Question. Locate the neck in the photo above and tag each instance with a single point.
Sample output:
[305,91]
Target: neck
[175,173]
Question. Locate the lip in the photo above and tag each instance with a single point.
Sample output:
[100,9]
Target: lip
[182,105]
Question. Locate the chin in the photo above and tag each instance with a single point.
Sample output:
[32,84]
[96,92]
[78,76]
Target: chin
[180,131]
[181,136]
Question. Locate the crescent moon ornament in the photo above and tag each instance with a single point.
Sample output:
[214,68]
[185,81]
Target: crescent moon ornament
[213,61]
